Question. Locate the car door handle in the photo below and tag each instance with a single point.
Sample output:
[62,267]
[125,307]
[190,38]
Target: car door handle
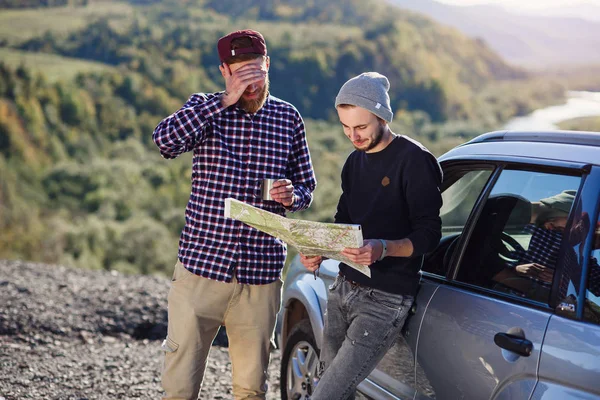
[514,343]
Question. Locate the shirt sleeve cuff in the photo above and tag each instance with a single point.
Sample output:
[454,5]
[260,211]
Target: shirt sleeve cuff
[212,107]
[302,199]
[292,207]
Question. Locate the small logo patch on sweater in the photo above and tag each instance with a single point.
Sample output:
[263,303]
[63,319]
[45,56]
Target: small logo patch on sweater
[385,181]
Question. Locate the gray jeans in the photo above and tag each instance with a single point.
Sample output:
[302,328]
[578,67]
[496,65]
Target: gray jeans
[361,324]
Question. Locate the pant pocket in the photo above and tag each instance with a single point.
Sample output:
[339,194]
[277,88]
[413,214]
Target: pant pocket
[181,273]
[169,346]
[391,300]
[403,311]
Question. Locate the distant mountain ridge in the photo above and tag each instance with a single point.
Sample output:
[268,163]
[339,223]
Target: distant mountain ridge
[527,40]
[581,10]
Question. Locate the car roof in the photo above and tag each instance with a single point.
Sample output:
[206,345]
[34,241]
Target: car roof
[569,146]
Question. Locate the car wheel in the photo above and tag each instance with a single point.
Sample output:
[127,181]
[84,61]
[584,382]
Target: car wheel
[299,363]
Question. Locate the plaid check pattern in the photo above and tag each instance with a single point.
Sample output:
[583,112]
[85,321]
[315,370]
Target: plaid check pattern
[593,284]
[232,152]
[543,248]
[573,270]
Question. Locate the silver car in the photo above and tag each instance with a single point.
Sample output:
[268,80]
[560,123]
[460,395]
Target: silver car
[509,302]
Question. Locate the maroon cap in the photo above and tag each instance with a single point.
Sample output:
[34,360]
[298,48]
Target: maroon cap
[258,44]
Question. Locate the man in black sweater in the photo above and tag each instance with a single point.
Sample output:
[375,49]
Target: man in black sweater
[390,186]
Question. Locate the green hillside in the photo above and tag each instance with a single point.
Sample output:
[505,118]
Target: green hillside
[20,24]
[315,48]
[591,124]
[54,67]
[82,87]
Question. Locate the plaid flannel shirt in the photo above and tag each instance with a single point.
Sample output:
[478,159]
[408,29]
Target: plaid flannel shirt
[544,248]
[232,152]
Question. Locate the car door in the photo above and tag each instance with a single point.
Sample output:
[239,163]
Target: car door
[483,328]
[570,356]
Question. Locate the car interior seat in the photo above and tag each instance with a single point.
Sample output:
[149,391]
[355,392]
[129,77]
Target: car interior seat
[502,215]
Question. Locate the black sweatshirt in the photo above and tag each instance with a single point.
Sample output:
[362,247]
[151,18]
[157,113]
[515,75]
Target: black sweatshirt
[393,194]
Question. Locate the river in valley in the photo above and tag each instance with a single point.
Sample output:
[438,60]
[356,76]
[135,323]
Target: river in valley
[579,104]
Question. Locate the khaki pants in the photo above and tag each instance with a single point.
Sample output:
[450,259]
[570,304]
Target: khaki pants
[197,308]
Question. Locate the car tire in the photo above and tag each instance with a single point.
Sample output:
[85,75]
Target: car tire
[299,363]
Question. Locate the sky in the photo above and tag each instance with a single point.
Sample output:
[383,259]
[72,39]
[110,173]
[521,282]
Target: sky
[524,4]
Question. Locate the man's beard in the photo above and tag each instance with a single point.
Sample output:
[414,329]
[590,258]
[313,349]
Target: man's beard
[376,140]
[253,105]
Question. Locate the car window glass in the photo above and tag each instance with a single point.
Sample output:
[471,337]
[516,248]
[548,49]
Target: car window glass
[580,229]
[458,201]
[515,243]
[592,297]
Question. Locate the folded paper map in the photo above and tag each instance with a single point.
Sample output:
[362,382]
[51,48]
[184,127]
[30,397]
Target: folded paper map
[308,237]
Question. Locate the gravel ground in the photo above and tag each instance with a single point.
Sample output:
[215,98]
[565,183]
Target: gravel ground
[77,334]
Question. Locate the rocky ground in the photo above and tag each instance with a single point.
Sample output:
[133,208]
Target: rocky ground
[77,334]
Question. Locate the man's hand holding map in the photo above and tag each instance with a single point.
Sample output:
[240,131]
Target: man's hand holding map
[308,237]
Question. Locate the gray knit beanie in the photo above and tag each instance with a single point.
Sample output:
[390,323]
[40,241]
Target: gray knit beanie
[368,90]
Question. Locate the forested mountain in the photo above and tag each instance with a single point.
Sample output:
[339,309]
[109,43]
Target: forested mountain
[39,4]
[83,86]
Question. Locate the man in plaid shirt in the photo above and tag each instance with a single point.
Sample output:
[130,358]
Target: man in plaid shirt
[538,263]
[227,272]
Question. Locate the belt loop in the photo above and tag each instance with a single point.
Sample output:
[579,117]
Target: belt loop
[350,281]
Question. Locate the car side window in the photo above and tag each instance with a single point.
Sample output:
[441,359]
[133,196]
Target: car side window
[515,242]
[460,191]
[591,311]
